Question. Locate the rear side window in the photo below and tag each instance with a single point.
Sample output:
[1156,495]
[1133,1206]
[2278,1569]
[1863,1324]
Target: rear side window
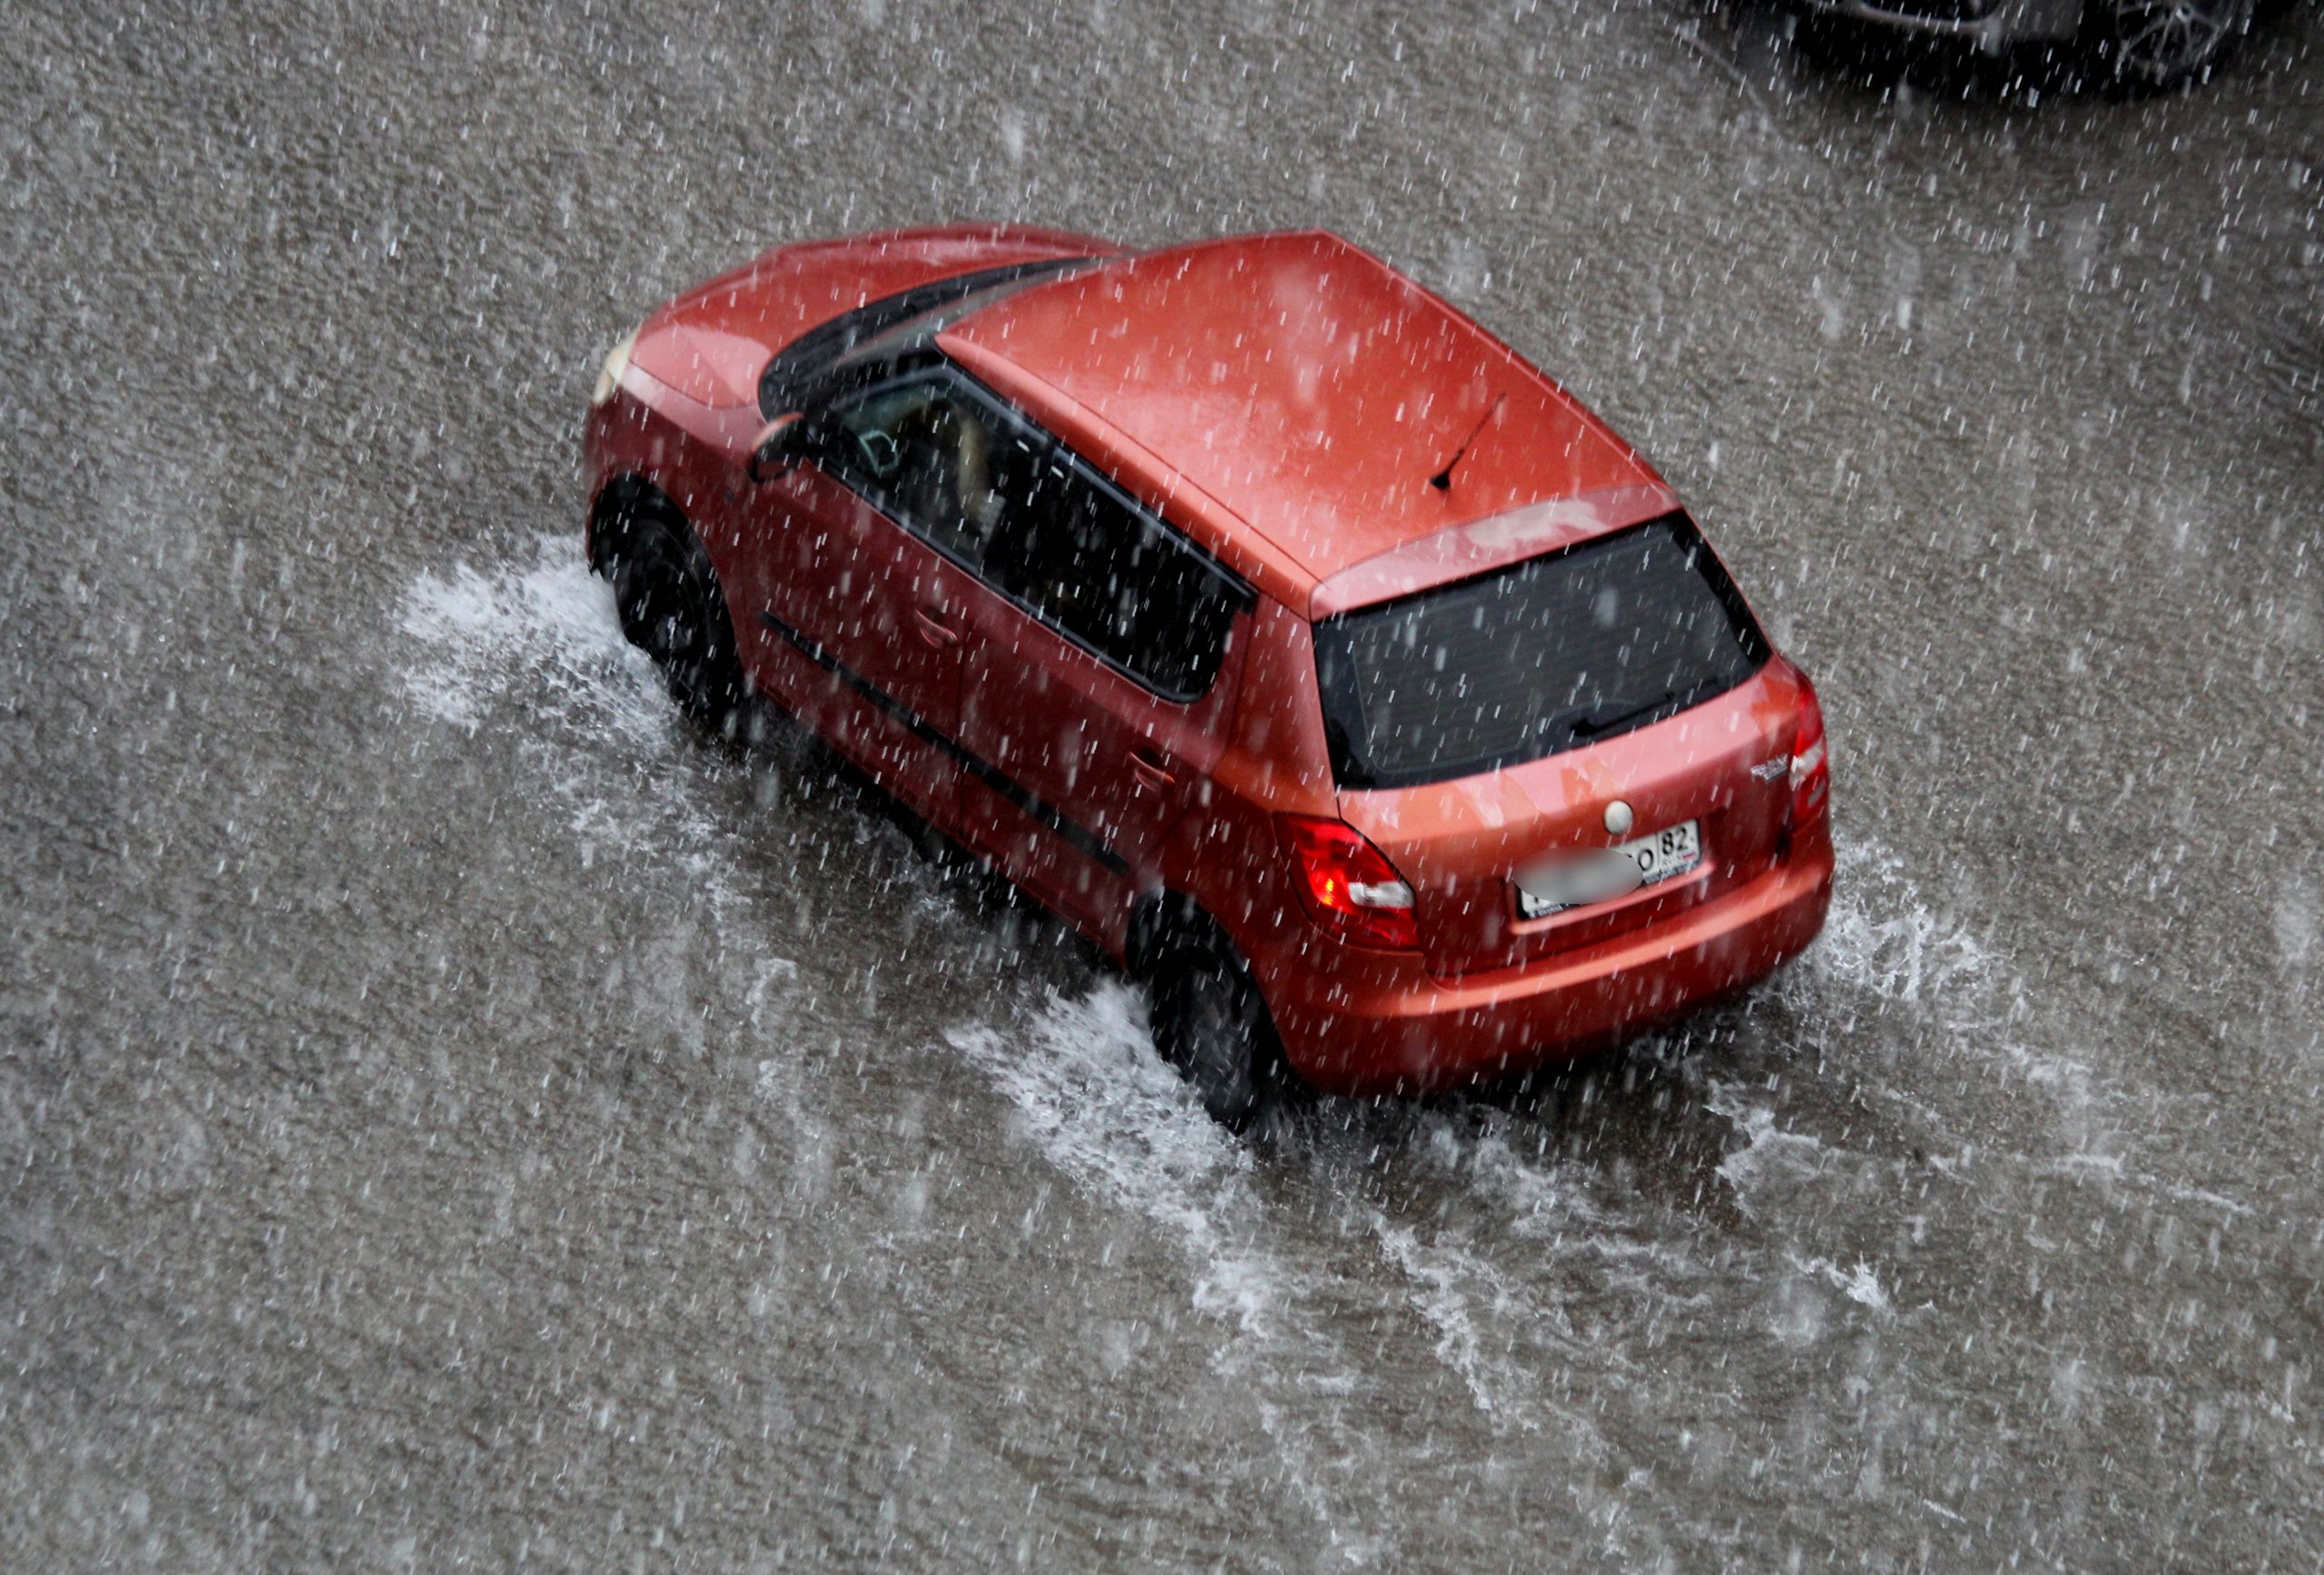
[1546,656]
[1087,558]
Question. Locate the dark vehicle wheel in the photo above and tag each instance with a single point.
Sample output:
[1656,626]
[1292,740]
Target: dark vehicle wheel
[1210,1023]
[2153,45]
[670,605]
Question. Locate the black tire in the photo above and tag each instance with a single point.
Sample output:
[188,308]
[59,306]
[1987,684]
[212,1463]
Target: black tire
[2154,46]
[1211,1023]
[670,605]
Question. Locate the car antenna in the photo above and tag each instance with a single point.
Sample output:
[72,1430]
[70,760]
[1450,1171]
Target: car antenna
[1442,479]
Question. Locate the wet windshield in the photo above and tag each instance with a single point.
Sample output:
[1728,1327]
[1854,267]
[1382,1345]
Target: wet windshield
[1546,656]
[799,365]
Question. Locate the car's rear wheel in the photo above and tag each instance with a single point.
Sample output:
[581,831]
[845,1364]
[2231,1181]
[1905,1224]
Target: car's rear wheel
[670,605]
[2160,43]
[1212,1024]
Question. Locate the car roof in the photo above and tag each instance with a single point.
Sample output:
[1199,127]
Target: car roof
[1306,388]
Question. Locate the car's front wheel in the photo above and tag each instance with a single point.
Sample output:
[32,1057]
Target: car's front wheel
[667,598]
[2161,44]
[1211,1023]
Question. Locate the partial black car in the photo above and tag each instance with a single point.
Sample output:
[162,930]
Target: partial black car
[2141,43]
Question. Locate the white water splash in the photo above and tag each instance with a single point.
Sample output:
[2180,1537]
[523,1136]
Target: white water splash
[481,636]
[1770,1156]
[1881,939]
[1859,1284]
[1101,1105]
[532,648]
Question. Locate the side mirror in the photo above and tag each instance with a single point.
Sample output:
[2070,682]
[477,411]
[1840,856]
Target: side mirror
[779,447]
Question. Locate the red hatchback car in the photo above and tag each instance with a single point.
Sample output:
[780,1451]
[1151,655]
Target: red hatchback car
[1255,610]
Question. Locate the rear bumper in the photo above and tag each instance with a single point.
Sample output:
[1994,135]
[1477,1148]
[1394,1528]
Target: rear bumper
[1397,1028]
[1997,25]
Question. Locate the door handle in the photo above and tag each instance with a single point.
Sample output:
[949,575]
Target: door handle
[933,629]
[1151,769]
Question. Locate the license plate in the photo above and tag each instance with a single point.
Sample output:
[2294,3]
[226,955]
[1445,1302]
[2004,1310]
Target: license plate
[1576,882]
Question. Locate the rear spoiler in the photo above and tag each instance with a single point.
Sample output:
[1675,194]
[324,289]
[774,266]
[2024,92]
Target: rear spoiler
[1482,546]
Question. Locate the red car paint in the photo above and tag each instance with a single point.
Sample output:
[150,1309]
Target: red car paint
[1285,403]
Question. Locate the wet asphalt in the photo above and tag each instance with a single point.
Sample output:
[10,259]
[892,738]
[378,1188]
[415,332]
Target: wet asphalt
[453,1114]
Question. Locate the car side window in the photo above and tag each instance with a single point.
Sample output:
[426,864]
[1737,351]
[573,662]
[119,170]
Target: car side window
[940,456]
[1090,560]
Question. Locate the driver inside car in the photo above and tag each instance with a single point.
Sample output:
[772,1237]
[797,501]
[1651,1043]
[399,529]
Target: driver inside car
[944,463]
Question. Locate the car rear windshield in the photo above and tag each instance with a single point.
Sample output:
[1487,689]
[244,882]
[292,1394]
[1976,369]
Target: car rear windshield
[1545,656]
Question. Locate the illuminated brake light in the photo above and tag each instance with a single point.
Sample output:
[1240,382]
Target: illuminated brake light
[1811,765]
[1347,885]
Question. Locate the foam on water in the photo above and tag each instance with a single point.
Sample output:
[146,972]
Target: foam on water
[1768,1154]
[1881,939]
[1091,1093]
[532,648]
[1859,1284]
[484,634]
[1445,1285]
[1490,1287]
[1886,952]
[1103,1108]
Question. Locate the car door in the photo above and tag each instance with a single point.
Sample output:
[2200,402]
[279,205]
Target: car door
[866,572]
[1100,671]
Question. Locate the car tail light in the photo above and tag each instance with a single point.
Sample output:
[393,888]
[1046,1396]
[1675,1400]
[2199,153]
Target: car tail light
[1811,764]
[1347,885]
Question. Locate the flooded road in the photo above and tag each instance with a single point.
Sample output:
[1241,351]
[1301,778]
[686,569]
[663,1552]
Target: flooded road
[453,1113]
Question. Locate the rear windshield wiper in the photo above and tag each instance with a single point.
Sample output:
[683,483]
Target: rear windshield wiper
[1605,715]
